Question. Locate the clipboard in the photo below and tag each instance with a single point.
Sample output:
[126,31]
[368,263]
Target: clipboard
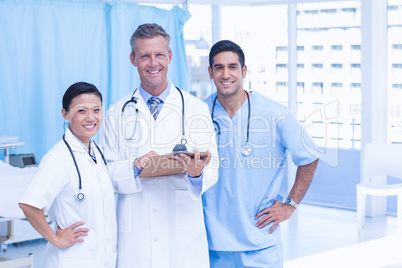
[163,165]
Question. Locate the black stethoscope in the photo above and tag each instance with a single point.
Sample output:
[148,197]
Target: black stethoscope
[246,150]
[80,196]
[180,147]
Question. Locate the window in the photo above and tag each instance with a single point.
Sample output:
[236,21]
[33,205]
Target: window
[355,66]
[261,68]
[336,66]
[355,47]
[317,66]
[280,67]
[198,39]
[269,67]
[281,52]
[355,85]
[332,42]
[394,66]
[397,46]
[280,87]
[337,47]
[329,11]
[336,88]
[338,85]
[355,52]
[397,87]
[317,48]
[300,87]
[317,88]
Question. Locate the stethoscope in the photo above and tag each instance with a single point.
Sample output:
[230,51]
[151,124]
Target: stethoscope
[246,150]
[180,147]
[80,196]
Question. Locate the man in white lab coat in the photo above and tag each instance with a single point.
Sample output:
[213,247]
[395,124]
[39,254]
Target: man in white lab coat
[160,223]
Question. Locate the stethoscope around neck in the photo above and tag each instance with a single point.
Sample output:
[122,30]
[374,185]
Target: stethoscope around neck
[80,196]
[180,147]
[246,150]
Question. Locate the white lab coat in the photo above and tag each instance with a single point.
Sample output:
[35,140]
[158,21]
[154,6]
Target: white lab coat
[162,226]
[53,188]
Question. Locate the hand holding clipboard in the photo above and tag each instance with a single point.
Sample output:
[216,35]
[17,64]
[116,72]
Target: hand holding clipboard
[153,165]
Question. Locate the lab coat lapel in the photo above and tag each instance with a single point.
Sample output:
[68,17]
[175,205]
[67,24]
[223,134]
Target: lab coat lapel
[76,146]
[172,104]
[141,104]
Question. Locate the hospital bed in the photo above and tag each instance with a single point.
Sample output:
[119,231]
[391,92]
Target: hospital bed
[13,182]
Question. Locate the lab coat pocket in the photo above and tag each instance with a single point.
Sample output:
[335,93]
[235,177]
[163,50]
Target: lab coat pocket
[189,214]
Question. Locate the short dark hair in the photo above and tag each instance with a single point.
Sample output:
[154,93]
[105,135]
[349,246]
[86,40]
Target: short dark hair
[226,45]
[149,30]
[77,89]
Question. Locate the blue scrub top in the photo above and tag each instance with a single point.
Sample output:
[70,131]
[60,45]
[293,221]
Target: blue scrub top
[249,184]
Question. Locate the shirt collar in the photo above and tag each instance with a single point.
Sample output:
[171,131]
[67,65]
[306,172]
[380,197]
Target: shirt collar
[163,96]
[73,139]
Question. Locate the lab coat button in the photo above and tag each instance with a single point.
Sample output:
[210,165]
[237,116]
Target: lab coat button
[156,239]
[154,210]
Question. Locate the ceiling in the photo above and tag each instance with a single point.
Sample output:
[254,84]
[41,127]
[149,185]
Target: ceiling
[225,2]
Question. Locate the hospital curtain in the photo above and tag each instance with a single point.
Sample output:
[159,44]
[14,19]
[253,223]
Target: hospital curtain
[45,46]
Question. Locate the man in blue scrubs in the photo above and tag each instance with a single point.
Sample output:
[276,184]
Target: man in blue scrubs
[253,134]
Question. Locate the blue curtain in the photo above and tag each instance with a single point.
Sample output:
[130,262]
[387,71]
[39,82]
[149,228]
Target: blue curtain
[45,46]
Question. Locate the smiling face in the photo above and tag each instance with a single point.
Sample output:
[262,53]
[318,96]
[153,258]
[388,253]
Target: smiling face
[227,74]
[152,58]
[85,116]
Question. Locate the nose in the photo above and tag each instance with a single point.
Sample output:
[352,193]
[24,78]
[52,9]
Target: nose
[226,72]
[91,116]
[153,61]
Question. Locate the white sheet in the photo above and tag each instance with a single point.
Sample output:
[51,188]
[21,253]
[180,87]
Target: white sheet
[13,181]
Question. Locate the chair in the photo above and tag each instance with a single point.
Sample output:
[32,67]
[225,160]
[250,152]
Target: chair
[380,160]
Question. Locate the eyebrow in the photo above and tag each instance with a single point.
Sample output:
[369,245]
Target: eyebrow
[230,64]
[79,106]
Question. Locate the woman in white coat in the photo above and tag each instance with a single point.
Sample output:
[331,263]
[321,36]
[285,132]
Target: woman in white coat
[73,186]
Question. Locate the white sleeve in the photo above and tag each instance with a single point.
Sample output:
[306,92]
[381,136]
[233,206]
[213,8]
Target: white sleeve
[122,176]
[202,135]
[47,183]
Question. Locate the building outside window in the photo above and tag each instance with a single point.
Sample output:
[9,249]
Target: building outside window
[332,31]
[394,128]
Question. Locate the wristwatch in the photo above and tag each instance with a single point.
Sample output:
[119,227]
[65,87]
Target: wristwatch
[289,201]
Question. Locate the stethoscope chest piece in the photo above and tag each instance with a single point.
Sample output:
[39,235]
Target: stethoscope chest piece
[80,196]
[246,150]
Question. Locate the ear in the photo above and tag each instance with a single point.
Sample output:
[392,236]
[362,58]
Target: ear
[170,56]
[210,72]
[65,114]
[132,59]
[244,71]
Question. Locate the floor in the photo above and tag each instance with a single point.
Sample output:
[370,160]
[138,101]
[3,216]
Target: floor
[311,230]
